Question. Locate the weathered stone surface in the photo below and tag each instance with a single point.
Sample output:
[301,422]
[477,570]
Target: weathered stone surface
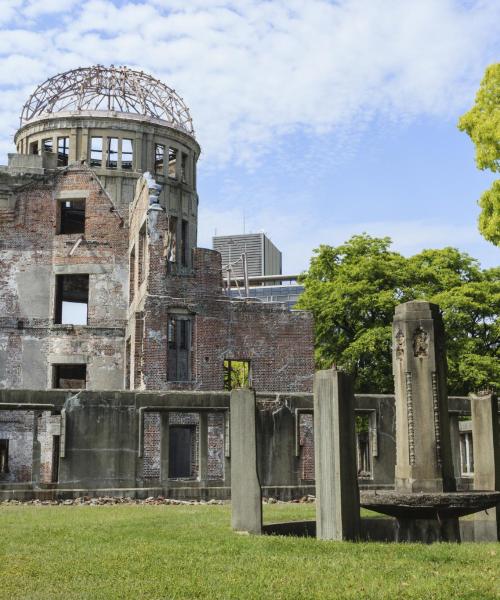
[246,495]
[486,440]
[337,508]
[423,447]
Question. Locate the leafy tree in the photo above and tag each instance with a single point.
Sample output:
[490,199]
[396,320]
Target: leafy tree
[482,123]
[353,289]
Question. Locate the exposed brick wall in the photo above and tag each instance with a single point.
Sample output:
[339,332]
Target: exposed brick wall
[32,253]
[17,427]
[152,447]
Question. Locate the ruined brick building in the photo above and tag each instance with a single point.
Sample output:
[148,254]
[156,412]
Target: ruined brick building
[117,343]
[102,286]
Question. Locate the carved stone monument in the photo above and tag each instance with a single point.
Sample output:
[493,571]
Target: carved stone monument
[423,447]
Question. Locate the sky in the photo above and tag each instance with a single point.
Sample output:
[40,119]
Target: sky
[317,119]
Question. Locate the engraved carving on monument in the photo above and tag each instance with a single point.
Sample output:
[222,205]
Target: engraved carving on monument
[420,343]
[400,344]
[411,425]
[437,425]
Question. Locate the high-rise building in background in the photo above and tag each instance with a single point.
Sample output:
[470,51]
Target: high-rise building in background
[263,258]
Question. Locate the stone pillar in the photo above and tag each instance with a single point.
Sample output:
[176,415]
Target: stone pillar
[486,444]
[246,495]
[423,448]
[337,492]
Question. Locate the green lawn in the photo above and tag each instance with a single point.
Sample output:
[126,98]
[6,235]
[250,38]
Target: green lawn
[155,552]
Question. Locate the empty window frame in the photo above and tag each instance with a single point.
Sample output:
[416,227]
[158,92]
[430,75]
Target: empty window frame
[96,151]
[62,151]
[184,166]
[184,242]
[72,296]
[466,454]
[71,216]
[127,154]
[172,162]
[142,255]
[179,348]
[159,158]
[34,148]
[131,279]
[171,241]
[236,374]
[112,155]
[69,377]
[47,145]
[128,359]
[181,441]
[56,450]
[4,456]
[363,446]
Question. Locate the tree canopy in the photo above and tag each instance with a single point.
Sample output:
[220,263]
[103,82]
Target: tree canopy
[482,123]
[353,289]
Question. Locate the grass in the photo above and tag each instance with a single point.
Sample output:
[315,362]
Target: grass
[167,552]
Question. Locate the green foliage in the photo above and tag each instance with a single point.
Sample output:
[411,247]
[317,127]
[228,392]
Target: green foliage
[482,123]
[189,552]
[489,219]
[353,289]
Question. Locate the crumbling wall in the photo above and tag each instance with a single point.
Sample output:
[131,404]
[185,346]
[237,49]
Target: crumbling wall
[32,254]
[18,427]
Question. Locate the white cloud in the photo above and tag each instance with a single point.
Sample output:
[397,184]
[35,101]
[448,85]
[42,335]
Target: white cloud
[253,70]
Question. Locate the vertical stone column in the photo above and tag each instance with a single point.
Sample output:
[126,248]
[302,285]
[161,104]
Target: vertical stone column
[337,492]
[423,447]
[246,495]
[486,441]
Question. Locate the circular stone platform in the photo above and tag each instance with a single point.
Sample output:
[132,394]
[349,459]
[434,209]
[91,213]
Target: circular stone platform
[421,505]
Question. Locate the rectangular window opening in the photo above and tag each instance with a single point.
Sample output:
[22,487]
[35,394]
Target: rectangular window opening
[236,374]
[172,162]
[466,454]
[171,241]
[363,446]
[184,243]
[47,145]
[142,255]
[34,148]
[179,348]
[56,445]
[131,284]
[159,156]
[62,151]
[180,452]
[4,456]
[96,151]
[112,158]
[127,154]
[128,349]
[71,216]
[72,296]
[69,377]
[184,162]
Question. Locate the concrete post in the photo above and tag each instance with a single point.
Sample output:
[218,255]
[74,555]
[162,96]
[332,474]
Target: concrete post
[337,492]
[486,443]
[246,495]
[423,450]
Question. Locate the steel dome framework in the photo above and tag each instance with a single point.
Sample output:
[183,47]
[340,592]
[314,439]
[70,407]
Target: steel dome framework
[100,88]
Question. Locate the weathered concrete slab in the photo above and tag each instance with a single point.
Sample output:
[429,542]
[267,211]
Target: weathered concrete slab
[246,495]
[337,493]
[486,440]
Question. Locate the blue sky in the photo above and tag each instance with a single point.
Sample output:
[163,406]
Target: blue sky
[317,119]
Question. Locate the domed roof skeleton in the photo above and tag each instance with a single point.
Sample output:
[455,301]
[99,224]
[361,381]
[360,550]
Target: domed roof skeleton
[116,89]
